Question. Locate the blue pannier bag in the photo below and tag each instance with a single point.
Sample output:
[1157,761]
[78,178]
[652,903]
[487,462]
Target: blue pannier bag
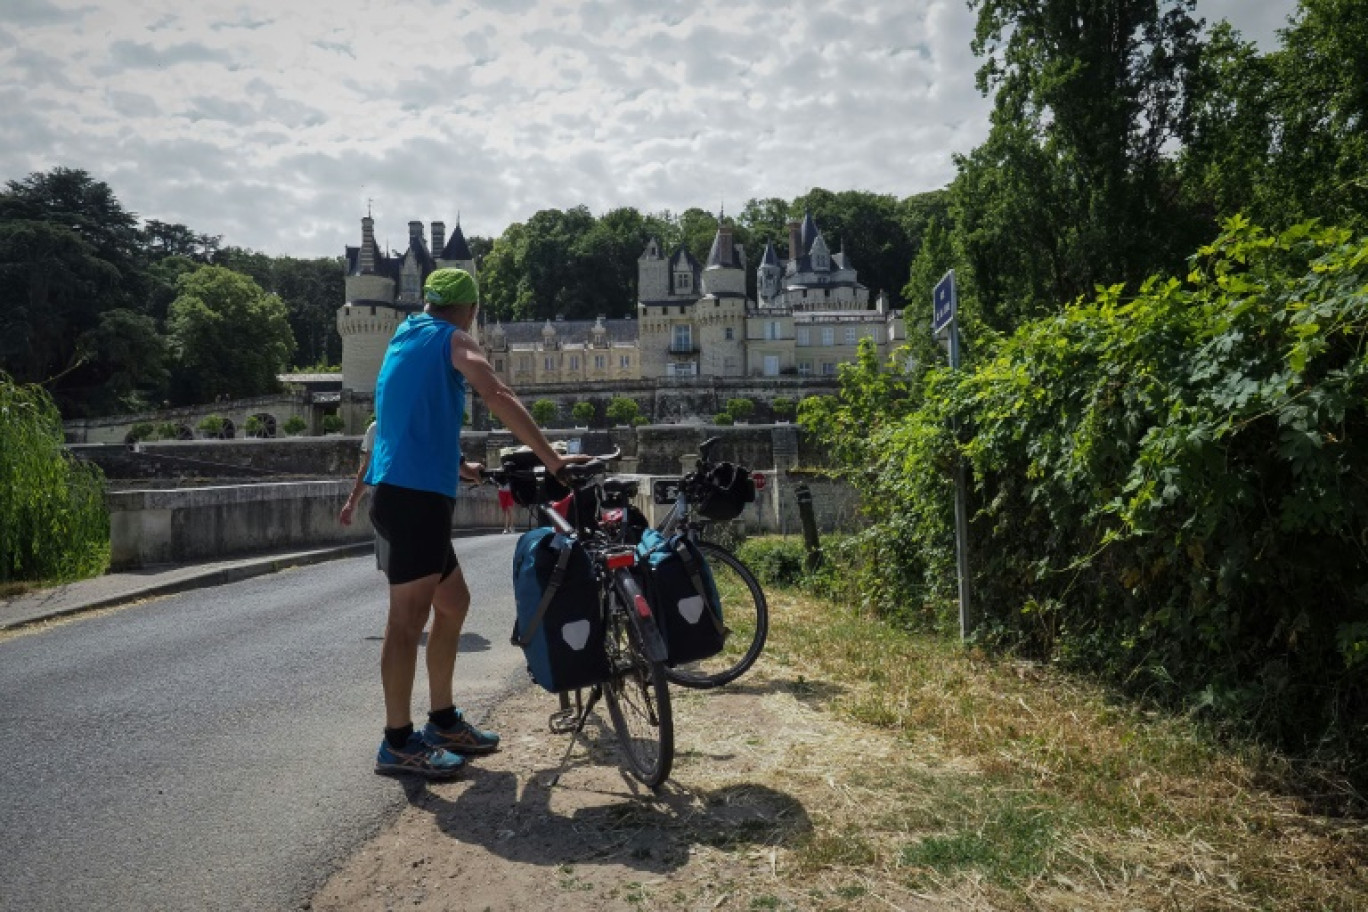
[681,590]
[560,625]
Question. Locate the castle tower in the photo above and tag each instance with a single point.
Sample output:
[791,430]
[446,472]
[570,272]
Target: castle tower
[769,276]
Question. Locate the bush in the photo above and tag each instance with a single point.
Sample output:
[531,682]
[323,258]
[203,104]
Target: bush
[583,412]
[333,424]
[254,427]
[543,412]
[622,410]
[54,525]
[295,425]
[139,432]
[212,425]
[774,561]
[1169,488]
[723,418]
[740,409]
[783,407]
[167,430]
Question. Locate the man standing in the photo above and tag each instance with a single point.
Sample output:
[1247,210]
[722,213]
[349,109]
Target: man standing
[415,470]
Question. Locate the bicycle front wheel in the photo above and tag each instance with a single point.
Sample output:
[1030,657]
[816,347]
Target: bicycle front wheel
[746,615]
[638,700]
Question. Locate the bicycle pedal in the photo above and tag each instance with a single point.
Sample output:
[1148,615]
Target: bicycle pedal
[563,722]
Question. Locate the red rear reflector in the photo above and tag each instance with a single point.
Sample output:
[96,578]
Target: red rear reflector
[642,606]
[626,559]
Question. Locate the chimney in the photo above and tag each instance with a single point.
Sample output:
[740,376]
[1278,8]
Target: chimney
[415,233]
[795,240]
[367,246]
[438,238]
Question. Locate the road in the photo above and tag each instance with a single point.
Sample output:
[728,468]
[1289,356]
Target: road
[214,750]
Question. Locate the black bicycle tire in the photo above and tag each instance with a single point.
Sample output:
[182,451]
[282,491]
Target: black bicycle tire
[682,675]
[651,772]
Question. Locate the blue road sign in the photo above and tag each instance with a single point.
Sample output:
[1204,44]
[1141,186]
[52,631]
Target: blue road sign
[944,302]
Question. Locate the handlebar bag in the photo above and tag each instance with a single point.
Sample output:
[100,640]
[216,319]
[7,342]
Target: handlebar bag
[723,491]
[682,593]
[560,624]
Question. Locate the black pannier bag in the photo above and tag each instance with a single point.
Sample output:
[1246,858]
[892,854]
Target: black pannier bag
[560,624]
[722,492]
[683,596]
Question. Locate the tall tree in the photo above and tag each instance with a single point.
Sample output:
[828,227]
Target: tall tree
[68,250]
[229,337]
[1088,98]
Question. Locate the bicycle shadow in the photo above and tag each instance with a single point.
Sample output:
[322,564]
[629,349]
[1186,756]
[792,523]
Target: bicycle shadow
[608,825]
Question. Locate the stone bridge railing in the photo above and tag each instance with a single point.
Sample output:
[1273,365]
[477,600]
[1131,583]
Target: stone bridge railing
[185,525]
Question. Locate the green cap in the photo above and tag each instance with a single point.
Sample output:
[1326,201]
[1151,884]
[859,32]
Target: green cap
[450,286]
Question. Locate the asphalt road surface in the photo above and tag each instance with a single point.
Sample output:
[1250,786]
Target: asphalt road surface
[214,750]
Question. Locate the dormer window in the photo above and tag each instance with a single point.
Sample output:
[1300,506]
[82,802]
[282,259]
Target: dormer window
[683,282]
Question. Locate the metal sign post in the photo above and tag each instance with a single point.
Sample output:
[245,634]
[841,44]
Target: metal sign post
[945,317]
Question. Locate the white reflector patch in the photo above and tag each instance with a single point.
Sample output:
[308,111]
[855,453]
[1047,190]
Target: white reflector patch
[575,634]
[691,608]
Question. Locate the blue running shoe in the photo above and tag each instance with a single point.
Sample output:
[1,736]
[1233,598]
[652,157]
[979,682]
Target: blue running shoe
[462,737]
[418,758]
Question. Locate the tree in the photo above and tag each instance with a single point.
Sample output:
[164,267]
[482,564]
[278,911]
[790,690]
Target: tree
[54,525]
[125,364]
[1073,187]
[740,409]
[544,411]
[229,337]
[583,412]
[622,410]
[68,250]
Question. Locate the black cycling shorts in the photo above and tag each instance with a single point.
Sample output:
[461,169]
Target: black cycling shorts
[412,533]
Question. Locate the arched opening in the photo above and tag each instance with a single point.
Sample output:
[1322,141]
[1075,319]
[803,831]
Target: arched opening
[262,424]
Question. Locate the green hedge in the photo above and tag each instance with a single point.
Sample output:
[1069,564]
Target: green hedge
[1170,487]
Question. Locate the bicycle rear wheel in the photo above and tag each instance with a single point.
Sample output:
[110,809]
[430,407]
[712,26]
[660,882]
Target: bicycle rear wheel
[746,615]
[639,703]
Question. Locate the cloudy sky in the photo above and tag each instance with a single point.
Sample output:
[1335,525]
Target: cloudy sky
[274,122]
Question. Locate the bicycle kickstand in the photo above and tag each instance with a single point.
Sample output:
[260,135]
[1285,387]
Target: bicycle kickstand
[570,720]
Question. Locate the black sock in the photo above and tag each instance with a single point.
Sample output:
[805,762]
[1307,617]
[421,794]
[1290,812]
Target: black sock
[444,718]
[398,737]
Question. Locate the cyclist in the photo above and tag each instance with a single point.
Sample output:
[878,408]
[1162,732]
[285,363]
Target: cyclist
[415,469]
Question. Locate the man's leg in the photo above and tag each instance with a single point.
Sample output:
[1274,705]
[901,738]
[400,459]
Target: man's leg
[447,727]
[408,612]
[450,602]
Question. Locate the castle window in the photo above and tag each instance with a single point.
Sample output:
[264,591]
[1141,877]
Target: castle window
[574,362]
[850,335]
[828,336]
[804,368]
[804,337]
[550,364]
[772,329]
[599,362]
[828,368]
[498,365]
[683,281]
[729,333]
[625,361]
[683,337]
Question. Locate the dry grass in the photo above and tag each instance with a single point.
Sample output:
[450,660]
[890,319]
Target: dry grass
[951,779]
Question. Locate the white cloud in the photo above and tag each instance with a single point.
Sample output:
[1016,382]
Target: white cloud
[274,123]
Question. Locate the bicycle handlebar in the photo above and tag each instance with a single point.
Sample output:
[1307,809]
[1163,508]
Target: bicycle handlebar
[578,473]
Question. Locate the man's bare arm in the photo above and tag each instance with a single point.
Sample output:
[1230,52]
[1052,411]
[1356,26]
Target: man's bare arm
[467,358]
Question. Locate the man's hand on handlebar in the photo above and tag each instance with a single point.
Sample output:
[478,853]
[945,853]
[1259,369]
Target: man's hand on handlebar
[470,471]
[557,469]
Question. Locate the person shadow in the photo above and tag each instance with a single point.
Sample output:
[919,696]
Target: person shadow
[528,822]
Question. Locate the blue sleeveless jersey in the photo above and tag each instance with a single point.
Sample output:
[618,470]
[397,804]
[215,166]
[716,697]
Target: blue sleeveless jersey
[419,408]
